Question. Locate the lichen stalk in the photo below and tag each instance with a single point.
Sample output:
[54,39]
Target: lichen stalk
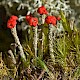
[35,39]
[14,33]
[50,35]
[12,56]
[42,43]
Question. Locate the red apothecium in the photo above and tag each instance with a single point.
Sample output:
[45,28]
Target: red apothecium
[14,17]
[42,10]
[51,20]
[12,22]
[33,21]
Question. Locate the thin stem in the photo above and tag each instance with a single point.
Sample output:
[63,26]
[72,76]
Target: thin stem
[51,42]
[14,33]
[12,56]
[42,43]
[35,40]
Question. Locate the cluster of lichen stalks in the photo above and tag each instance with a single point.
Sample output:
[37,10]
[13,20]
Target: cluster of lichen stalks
[50,20]
[36,41]
[51,23]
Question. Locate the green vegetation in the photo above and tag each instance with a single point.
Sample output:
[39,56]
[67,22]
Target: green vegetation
[66,50]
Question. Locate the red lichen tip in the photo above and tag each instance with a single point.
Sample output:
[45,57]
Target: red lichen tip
[14,17]
[51,20]
[33,21]
[12,22]
[42,10]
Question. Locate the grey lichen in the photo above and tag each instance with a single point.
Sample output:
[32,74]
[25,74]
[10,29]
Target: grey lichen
[21,52]
[35,39]
[50,35]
